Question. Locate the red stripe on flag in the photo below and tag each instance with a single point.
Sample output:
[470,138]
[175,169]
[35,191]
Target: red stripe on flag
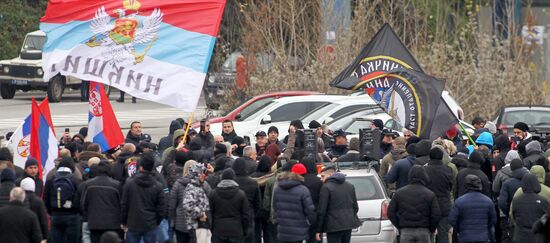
[35,141]
[202,16]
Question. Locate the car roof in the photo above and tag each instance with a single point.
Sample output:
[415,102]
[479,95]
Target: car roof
[356,100]
[37,32]
[526,107]
[285,93]
[330,98]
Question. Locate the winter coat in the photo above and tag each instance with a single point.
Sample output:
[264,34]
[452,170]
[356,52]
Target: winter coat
[313,182]
[21,223]
[541,229]
[167,141]
[385,149]
[195,202]
[509,188]
[99,200]
[527,209]
[502,144]
[131,138]
[472,169]
[143,202]
[337,150]
[387,163]
[36,205]
[538,171]
[206,141]
[503,175]
[229,207]
[248,185]
[251,165]
[119,171]
[5,188]
[293,208]
[415,206]
[535,156]
[399,172]
[350,156]
[338,206]
[175,207]
[228,137]
[441,183]
[51,193]
[473,216]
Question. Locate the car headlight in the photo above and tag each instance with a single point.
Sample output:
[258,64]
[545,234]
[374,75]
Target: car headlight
[211,79]
[6,69]
[39,71]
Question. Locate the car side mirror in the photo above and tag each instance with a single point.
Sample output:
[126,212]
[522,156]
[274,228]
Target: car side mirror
[266,119]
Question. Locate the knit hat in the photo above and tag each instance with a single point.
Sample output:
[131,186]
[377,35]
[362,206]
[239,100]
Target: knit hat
[473,183]
[522,126]
[477,157]
[30,162]
[220,149]
[436,153]
[299,169]
[411,149]
[516,164]
[491,127]
[7,175]
[314,124]
[378,123]
[512,154]
[272,129]
[228,174]
[423,148]
[28,184]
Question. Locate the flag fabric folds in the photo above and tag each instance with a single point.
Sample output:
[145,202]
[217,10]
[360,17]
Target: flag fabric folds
[103,127]
[154,50]
[43,143]
[380,69]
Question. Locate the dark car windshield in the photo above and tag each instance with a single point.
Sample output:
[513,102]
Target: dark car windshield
[366,187]
[531,117]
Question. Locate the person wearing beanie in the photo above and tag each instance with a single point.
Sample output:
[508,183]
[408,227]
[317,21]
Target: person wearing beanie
[399,172]
[273,138]
[36,205]
[521,137]
[534,155]
[352,154]
[510,186]
[251,189]
[7,182]
[473,214]
[473,168]
[31,171]
[293,206]
[505,172]
[422,152]
[377,123]
[500,151]
[414,209]
[143,201]
[63,210]
[398,152]
[441,178]
[528,209]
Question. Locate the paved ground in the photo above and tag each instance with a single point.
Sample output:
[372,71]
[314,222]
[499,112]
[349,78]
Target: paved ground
[73,114]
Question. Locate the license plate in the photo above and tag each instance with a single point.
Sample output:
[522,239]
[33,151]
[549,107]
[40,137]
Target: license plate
[20,82]
[220,92]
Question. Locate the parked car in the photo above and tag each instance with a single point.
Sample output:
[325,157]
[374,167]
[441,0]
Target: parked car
[352,124]
[250,106]
[373,201]
[283,109]
[537,117]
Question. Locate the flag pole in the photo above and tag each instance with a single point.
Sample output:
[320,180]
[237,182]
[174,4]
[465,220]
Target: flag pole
[182,142]
[467,134]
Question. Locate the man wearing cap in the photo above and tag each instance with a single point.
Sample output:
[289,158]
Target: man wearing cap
[273,137]
[261,142]
[473,214]
[386,143]
[294,209]
[337,210]
[340,146]
[377,124]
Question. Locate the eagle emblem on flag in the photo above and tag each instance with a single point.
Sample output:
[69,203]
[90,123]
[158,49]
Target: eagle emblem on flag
[122,36]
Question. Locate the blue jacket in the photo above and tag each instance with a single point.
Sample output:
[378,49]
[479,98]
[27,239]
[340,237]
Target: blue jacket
[293,208]
[399,172]
[473,217]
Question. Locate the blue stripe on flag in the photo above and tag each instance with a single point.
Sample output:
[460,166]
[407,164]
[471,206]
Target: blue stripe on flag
[44,135]
[100,139]
[173,45]
[27,126]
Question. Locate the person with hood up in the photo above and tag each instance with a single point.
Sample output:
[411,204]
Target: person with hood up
[36,205]
[441,179]
[230,210]
[143,203]
[314,185]
[352,154]
[220,164]
[422,152]
[337,210]
[500,151]
[505,172]
[538,171]
[398,152]
[510,186]
[527,209]
[399,172]
[293,207]
[474,168]
[168,140]
[228,131]
[252,191]
[473,215]
[195,203]
[7,182]
[414,209]
[534,155]
[485,146]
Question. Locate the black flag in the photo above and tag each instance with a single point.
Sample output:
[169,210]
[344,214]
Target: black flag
[370,71]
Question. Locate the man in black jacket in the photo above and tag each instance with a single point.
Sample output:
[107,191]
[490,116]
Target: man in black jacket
[167,141]
[18,223]
[100,203]
[228,132]
[252,191]
[314,185]
[474,168]
[352,154]
[441,178]
[527,209]
[143,203]
[36,205]
[414,209]
[337,210]
[135,135]
[535,156]
[31,171]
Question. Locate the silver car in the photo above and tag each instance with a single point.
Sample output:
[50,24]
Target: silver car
[373,201]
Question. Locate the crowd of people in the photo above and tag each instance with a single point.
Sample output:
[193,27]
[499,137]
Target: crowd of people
[195,186]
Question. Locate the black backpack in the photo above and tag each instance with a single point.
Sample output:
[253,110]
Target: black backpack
[64,189]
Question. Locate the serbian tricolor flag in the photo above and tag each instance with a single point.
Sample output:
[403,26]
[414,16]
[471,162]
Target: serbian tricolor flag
[157,50]
[103,126]
[43,144]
